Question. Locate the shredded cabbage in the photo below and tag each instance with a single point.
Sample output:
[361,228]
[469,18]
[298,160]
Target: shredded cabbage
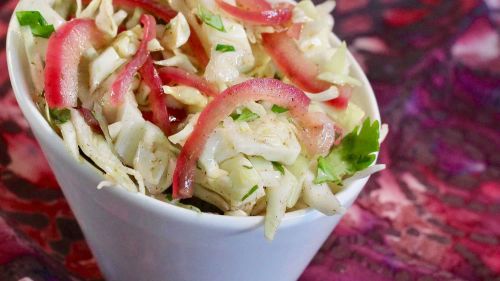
[134,19]
[97,149]
[252,163]
[270,136]
[69,136]
[34,59]
[176,33]
[320,197]
[103,66]
[152,159]
[181,136]
[329,94]
[187,96]
[179,60]
[105,18]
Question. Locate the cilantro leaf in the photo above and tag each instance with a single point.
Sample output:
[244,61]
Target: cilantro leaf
[278,167]
[210,18]
[42,31]
[224,48]
[34,19]
[30,18]
[245,115]
[355,153]
[250,192]
[278,109]
[60,116]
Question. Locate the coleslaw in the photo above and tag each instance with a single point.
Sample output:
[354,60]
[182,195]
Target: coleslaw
[240,108]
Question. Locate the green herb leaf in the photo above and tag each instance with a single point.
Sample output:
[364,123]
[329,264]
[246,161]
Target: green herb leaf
[355,153]
[224,48]
[247,167]
[278,167]
[210,18]
[42,31]
[33,19]
[250,192]
[246,115]
[278,109]
[60,116]
[169,197]
[30,18]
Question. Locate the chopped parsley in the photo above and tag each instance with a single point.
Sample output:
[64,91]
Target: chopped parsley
[224,48]
[355,153]
[250,192]
[278,109]
[210,18]
[59,116]
[33,19]
[245,115]
[278,167]
[247,167]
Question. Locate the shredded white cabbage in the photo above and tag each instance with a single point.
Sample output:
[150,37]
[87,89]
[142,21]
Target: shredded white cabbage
[181,136]
[299,170]
[34,59]
[152,159]
[329,94]
[236,213]
[304,12]
[97,149]
[176,33]
[155,46]
[320,197]
[252,163]
[91,9]
[365,173]
[105,18]
[223,67]
[69,136]
[384,131]
[277,198]
[103,66]
[348,118]
[270,136]
[212,198]
[119,17]
[178,60]
[244,186]
[127,43]
[188,96]
[217,149]
[134,19]
[79,8]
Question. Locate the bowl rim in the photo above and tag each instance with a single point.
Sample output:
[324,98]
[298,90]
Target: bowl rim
[152,205]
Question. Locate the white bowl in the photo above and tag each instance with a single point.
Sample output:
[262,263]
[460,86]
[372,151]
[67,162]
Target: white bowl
[134,237]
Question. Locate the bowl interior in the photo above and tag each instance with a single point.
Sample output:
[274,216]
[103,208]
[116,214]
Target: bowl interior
[22,86]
